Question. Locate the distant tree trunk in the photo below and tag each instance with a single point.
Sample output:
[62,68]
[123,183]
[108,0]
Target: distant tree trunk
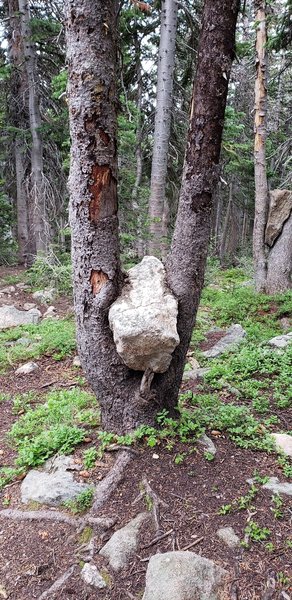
[139,243]
[37,183]
[166,59]
[260,168]
[224,235]
[91,41]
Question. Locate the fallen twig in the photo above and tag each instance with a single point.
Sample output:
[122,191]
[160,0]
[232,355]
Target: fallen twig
[58,583]
[157,539]
[193,544]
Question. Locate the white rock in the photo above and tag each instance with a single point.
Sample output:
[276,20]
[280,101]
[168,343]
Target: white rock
[92,576]
[183,576]
[51,313]
[229,537]
[283,442]
[143,319]
[26,368]
[12,317]
[28,306]
[275,486]
[208,444]
[8,290]
[281,341]
[44,296]
[76,362]
[233,337]
[123,543]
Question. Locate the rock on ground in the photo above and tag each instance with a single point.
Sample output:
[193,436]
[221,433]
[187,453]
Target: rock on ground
[28,306]
[91,575]
[183,576]
[207,444]
[283,442]
[12,317]
[51,313]
[44,296]
[275,486]
[143,319]
[123,543]
[228,536]
[76,362]
[281,341]
[233,337]
[26,368]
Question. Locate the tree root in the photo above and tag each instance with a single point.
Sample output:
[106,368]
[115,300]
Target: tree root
[100,523]
[155,501]
[106,487]
[58,583]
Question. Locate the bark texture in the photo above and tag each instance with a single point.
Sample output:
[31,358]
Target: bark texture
[158,209]
[260,168]
[91,41]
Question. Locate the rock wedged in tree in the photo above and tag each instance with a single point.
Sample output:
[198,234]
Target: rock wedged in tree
[279,211]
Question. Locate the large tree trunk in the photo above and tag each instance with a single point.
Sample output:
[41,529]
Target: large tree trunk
[91,40]
[166,59]
[260,168]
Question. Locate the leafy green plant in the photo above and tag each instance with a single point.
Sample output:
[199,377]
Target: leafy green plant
[8,474]
[89,457]
[81,503]
[225,509]
[209,456]
[256,533]
[277,506]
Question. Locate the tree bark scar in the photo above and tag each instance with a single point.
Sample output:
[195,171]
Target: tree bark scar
[103,190]
[98,279]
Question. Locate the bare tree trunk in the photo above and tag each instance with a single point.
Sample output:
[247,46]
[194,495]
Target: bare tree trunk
[37,184]
[91,41]
[166,60]
[223,241]
[260,169]
[140,245]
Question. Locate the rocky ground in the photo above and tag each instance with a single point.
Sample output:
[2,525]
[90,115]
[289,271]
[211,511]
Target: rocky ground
[172,517]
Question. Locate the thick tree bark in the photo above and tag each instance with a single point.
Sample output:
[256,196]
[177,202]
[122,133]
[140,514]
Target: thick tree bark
[166,60]
[260,168]
[91,40]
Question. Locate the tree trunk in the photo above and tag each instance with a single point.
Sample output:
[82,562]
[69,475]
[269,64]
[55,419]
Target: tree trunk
[166,60]
[91,41]
[260,168]
[139,243]
[37,184]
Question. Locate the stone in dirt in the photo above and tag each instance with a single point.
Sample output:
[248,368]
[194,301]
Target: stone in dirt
[76,362]
[281,341]
[44,296]
[28,306]
[123,543]
[183,576]
[92,576]
[283,442]
[26,368]
[208,444]
[53,485]
[12,317]
[229,537]
[51,313]
[143,319]
[10,289]
[275,486]
[234,335]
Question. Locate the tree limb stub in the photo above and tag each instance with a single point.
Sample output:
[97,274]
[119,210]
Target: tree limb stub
[103,190]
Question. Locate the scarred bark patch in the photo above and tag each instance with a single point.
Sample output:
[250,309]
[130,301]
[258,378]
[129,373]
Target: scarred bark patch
[98,279]
[103,191]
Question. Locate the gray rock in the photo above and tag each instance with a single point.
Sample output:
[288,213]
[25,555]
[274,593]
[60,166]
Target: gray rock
[24,341]
[143,319]
[76,362]
[286,323]
[44,296]
[229,537]
[277,487]
[123,543]
[208,444]
[281,341]
[233,337]
[183,576]
[51,313]
[283,442]
[26,368]
[53,485]
[8,290]
[279,211]
[28,306]
[92,576]
[12,317]
[22,286]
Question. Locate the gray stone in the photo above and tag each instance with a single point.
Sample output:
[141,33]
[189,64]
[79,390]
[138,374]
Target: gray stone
[8,290]
[183,576]
[22,286]
[12,317]
[123,543]
[143,319]
[279,211]
[281,341]
[28,306]
[286,323]
[233,337]
[44,296]
[208,444]
[53,485]
[24,341]
[229,537]
[92,576]
[283,442]
[51,313]
[76,362]
[277,487]
[26,368]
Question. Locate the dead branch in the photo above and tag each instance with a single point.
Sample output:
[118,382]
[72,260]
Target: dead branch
[106,487]
[157,539]
[58,583]
[193,544]
[100,523]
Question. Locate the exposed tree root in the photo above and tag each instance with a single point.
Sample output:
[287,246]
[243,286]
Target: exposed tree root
[101,524]
[58,584]
[106,487]
[155,501]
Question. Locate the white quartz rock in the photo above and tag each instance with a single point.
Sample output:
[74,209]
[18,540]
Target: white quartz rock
[143,319]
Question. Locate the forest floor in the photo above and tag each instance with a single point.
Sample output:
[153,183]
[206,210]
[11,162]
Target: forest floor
[246,396]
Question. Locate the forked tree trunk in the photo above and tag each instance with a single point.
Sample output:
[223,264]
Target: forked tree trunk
[158,212]
[260,167]
[91,40]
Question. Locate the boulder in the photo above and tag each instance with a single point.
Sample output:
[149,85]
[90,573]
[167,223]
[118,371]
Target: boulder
[229,537]
[143,319]
[279,211]
[26,368]
[44,296]
[183,576]
[283,442]
[12,317]
[233,337]
[123,543]
[92,576]
[281,341]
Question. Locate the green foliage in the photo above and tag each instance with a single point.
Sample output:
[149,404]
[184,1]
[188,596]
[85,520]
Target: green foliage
[256,533]
[8,474]
[81,503]
[89,457]
[277,506]
[50,269]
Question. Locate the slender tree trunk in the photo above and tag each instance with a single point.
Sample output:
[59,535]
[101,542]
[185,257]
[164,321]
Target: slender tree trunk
[140,245]
[91,41]
[37,185]
[260,168]
[225,230]
[166,60]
